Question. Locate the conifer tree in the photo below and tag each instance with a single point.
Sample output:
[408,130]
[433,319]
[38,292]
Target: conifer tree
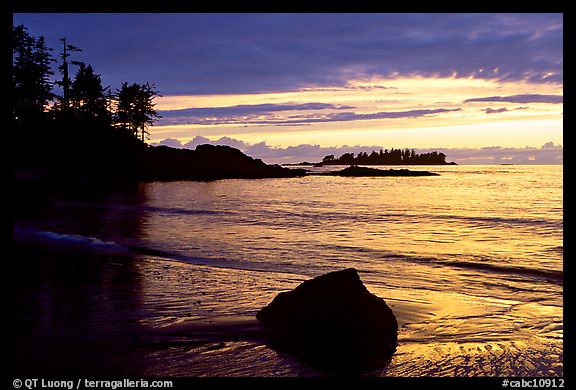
[65,83]
[135,108]
[31,71]
[87,98]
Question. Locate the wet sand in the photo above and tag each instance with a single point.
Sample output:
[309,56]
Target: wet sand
[84,313]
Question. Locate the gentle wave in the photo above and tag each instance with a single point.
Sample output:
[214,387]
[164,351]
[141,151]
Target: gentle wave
[93,243]
[87,243]
[550,275]
[378,217]
[152,209]
[331,215]
[29,234]
[504,220]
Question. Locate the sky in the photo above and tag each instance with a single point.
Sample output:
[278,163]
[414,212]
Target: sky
[483,88]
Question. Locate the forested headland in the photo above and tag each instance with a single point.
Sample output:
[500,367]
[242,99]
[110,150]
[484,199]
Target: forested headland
[66,123]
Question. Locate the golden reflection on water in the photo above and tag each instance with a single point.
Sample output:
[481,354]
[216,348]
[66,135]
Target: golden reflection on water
[454,214]
[469,261]
[442,333]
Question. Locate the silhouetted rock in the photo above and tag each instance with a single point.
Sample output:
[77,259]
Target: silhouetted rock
[355,170]
[334,323]
[304,164]
[208,162]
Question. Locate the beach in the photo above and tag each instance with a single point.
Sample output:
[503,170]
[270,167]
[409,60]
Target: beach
[127,322]
[165,279]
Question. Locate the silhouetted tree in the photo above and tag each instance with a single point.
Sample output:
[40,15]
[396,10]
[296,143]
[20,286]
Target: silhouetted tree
[66,82]
[387,157]
[347,158]
[395,156]
[362,158]
[135,107]
[84,104]
[441,158]
[406,156]
[87,98]
[31,71]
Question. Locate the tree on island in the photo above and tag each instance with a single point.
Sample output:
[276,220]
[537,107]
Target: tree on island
[387,157]
[328,159]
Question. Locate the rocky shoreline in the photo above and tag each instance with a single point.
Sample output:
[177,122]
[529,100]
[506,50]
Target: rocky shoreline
[356,171]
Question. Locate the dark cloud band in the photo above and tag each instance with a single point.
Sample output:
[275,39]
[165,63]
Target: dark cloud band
[187,54]
[526,98]
[257,115]
[247,109]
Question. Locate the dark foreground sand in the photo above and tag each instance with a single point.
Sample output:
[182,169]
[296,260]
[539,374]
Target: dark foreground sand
[82,313]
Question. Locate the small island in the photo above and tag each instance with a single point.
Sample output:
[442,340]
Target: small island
[356,171]
[383,157]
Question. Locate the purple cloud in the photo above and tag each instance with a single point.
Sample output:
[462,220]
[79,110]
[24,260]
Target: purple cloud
[227,141]
[200,140]
[526,98]
[205,53]
[352,116]
[494,111]
[503,109]
[547,154]
[393,114]
[221,116]
[171,142]
[236,114]
[247,109]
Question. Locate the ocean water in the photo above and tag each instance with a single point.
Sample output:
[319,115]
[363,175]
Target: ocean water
[471,263]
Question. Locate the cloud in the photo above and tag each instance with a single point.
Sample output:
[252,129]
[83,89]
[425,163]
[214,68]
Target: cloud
[171,142]
[244,113]
[199,140]
[301,153]
[351,116]
[503,109]
[349,87]
[248,109]
[222,53]
[526,98]
[494,111]
[547,154]
[250,115]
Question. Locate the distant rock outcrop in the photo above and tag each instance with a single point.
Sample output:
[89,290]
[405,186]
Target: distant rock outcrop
[334,323]
[356,171]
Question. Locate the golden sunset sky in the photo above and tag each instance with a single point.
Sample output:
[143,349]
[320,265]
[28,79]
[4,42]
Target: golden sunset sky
[278,85]
[398,112]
